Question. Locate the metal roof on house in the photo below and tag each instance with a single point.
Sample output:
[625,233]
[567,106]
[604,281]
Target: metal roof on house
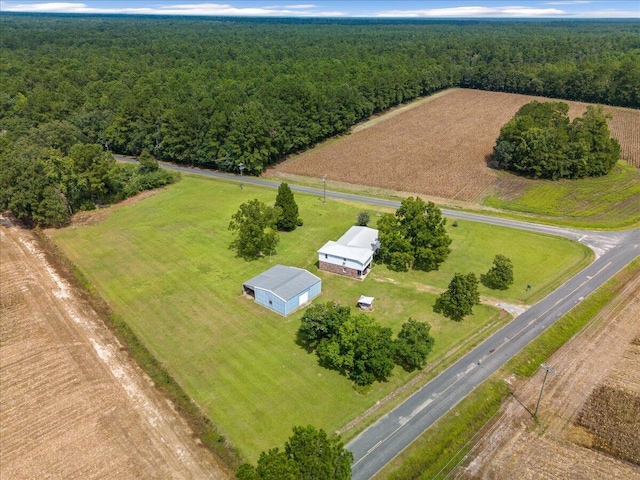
[285,282]
[352,253]
[363,237]
[358,243]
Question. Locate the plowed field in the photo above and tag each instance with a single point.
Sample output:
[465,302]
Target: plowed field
[439,147]
[589,407]
[73,405]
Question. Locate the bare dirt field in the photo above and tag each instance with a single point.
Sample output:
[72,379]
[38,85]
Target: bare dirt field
[73,404]
[597,383]
[437,148]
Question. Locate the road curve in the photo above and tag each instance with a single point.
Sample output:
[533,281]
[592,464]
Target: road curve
[382,441]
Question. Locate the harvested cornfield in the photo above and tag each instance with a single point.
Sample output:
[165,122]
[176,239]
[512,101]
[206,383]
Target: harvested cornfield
[588,418]
[612,415]
[625,127]
[439,147]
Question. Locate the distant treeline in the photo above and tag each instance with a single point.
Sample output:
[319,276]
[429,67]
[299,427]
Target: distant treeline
[220,92]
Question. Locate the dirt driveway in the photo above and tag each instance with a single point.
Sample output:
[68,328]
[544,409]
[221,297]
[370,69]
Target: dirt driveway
[74,405]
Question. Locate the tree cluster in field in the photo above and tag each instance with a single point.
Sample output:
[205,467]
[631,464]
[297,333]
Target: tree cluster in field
[458,300]
[541,142]
[256,224]
[221,92]
[414,237]
[48,174]
[359,347]
[309,454]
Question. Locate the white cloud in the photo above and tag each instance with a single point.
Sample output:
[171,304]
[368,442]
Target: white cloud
[214,9]
[306,7]
[570,2]
[476,12]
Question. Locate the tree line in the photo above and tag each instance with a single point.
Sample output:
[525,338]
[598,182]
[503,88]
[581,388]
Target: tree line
[221,92]
[44,180]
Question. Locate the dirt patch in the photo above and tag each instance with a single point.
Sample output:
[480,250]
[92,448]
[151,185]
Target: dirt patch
[515,446]
[74,405]
[438,148]
[99,215]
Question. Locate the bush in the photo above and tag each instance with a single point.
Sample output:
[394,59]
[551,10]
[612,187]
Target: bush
[363,218]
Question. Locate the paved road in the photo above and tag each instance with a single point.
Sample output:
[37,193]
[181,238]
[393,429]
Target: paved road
[382,441]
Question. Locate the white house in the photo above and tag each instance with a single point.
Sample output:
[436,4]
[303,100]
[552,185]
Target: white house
[352,254]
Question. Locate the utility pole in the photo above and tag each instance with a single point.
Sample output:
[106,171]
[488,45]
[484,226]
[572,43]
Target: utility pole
[546,369]
[241,167]
[324,184]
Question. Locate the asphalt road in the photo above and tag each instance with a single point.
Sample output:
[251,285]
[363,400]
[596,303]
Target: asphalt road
[382,441]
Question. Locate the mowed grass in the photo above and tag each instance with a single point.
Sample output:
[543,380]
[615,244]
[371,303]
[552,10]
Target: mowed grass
[611,201]
[164,266]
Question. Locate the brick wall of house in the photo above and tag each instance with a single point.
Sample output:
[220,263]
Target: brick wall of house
[346,271]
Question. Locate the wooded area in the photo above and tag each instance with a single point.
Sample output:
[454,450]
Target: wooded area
[219,92]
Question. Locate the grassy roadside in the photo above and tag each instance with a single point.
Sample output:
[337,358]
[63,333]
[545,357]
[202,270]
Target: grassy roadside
[611,202]
[200,423]
[440,448]
[608,202]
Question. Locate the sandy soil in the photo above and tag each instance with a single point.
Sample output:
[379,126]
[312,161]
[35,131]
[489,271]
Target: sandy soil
[438,148]
[74,406]
[514,446]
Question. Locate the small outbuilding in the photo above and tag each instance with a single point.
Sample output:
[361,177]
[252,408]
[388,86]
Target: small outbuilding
[365,303]
[283,289]
[351,255]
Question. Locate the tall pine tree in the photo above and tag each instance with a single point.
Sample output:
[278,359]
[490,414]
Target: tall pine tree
[288,219]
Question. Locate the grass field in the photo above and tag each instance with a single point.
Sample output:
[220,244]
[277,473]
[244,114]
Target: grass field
[440,149]
[610,201]
[164,266]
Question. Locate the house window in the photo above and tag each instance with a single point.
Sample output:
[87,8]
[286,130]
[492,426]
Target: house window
[270,302]
[326,256]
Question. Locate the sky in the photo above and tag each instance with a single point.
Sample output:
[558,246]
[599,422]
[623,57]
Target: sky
[346,9]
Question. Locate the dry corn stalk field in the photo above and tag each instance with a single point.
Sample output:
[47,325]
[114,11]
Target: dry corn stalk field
[439,147]
[74,405]
[589,413]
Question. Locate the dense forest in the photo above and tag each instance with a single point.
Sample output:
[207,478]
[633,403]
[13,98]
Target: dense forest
[219,92]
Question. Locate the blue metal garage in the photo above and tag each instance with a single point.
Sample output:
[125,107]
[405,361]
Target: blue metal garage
[283,289]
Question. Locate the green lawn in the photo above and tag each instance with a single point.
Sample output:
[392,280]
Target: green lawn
[164,265]
[611,201]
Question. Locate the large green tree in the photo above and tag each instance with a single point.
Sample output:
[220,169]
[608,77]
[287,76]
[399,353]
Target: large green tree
[288,219]
[355,345]
[255,227]
[309,454]
[500,275]
[413,345]
[460,297]
[415,237]
[322,321]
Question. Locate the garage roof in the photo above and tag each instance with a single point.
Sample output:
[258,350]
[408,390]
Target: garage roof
[284,282]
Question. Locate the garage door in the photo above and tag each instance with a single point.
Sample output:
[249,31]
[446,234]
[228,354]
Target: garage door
[304,298]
